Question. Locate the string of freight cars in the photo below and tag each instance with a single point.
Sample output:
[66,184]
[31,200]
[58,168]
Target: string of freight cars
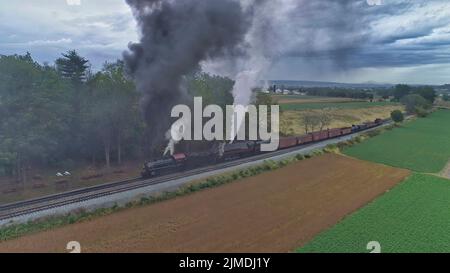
[241,149]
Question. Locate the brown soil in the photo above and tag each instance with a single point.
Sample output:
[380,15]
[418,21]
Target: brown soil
[273,212]
[40,185]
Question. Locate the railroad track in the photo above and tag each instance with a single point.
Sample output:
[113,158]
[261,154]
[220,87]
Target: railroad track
[31,206]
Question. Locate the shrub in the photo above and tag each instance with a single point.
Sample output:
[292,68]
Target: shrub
[421,112]
[373,133]
[397,116]
[358,139]
[415,103]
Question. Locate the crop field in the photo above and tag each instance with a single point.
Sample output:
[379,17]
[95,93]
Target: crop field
[273,212]
[413,217]
[422,145]
[335,105]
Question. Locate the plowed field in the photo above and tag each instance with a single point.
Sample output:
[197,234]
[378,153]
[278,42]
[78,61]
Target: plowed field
[273,212]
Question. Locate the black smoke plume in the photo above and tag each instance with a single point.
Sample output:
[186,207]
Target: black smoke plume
[175,37]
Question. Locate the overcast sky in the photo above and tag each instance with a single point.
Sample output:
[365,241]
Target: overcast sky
[405,41]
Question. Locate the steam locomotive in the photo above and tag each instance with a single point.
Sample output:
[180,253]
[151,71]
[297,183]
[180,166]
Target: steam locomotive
[241,149]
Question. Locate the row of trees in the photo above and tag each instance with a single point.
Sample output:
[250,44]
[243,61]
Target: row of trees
[402,90]
[340,93]
[417,100]
[64,115]
[314,120]
[57,115]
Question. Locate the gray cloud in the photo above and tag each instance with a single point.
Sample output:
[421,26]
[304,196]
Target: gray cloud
[400,33]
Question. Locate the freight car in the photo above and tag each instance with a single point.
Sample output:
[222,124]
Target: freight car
[305,139]
[241,149]
[287,142]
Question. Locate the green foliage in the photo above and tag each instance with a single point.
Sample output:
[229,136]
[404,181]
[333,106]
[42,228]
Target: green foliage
[212,89]
[112,111]
[33,111]
[73,67]
[413,217]
[397,116]
[422,145]
[416,104]
[427,93]
[339,93]
[53,117]
[401,90]
[336,105]
[64,115]
[15,231]
[265,99]
[373,133]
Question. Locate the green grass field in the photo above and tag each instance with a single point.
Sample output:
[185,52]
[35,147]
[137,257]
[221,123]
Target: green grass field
[422,145]
[336,105]
[412,217]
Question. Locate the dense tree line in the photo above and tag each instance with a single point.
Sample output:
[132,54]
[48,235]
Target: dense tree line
[403,90]
[340,93]
[417,100]
[64,115]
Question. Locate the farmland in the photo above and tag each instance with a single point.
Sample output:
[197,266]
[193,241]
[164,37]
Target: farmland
[413,217]
[343,112]
[272,212]
[292,121]
[422,145]
[335,105]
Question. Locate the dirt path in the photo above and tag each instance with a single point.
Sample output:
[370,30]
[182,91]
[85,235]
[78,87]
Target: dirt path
[273,212]
[446,172]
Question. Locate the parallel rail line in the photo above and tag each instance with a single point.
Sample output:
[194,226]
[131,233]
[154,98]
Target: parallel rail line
[22,208]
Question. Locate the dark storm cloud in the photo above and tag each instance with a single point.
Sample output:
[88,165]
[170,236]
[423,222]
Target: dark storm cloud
[353,34]
[407,33]
[350,33]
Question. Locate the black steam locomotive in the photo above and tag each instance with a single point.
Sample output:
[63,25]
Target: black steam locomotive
[241,149]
